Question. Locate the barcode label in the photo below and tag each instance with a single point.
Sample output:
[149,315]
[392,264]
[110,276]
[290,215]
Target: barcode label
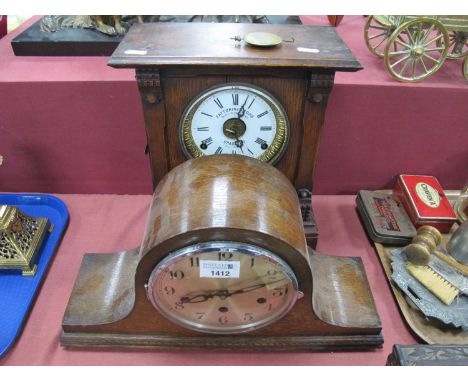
[220,269]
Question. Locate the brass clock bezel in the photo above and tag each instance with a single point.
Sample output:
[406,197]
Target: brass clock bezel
[280,141]
[217,246]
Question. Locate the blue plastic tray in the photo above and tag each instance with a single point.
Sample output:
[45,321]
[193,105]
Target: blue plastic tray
[17,292]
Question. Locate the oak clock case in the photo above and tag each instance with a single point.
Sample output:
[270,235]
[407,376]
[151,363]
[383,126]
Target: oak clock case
[231,271]
[171,76]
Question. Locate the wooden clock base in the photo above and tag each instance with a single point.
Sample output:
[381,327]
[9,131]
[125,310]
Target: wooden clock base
[231,343]
[341,316]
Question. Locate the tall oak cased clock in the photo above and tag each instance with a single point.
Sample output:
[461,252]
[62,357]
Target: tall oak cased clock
[206,93]
[233,132]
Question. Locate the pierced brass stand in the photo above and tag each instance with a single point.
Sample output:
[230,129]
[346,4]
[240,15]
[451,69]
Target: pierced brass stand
[20,239]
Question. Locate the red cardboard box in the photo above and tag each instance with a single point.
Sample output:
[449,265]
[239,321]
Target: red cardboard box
[425,201]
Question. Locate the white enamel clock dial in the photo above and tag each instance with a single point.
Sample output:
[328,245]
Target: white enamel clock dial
[223,287]
[236,119]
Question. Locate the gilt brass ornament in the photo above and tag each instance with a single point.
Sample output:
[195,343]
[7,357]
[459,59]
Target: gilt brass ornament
[21,237]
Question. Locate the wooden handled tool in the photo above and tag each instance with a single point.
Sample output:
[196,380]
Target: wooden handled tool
[419,253]
[424,245]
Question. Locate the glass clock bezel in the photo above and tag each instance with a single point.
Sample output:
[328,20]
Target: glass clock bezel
[280,141]
[221,246]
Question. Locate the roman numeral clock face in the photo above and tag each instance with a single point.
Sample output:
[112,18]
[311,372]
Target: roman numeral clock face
[236,119]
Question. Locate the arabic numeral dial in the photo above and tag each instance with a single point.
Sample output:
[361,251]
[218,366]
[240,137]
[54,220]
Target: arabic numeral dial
[222,287]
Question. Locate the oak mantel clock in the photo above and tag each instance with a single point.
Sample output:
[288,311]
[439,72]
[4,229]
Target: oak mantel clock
[204,92]
[223,264]
[233,131]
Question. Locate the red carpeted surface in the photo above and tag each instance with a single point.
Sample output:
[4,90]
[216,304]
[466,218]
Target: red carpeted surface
[108,223]
[74,125]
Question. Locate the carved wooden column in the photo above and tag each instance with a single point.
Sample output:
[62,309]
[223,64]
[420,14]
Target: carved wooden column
[319,88]
[318,91]
[149,84]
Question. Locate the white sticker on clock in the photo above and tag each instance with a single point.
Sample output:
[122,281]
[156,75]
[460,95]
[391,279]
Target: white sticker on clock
[136,51]
[308,50]
[220,269]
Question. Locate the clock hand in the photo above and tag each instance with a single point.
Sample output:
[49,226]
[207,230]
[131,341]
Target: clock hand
[254,287]
[223,293]
[202,297]
[242,109]
[239,142]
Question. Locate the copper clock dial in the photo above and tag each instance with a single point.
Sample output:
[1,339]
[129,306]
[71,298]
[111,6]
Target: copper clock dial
[223,287]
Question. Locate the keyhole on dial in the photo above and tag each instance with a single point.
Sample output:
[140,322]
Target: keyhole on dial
[203,146]
[223,309]
[264,146]
[261,300]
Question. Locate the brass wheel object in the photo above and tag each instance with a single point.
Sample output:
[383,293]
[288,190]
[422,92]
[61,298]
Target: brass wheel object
[417,49]
[376,33]
[458,44]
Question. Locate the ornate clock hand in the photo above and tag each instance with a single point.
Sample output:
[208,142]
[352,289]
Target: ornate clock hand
[239,142]
[196,298]
[202,297]
[222,293]
[242,108]
[254,287]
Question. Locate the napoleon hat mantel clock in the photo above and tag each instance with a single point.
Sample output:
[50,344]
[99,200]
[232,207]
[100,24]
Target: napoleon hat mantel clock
[224,261]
